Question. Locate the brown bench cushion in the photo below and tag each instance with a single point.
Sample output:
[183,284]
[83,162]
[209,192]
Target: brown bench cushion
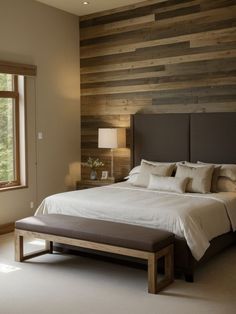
[106,232]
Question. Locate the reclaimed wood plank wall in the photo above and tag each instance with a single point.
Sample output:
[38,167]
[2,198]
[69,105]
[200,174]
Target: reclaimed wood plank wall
[158,56]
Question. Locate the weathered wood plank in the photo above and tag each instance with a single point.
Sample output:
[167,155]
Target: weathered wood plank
[172,70]
[161,61]
[135,23]
[164,77]
[162,86]
[106,50]
[121,9]
[144,8]
[115,27]
[167,50]
[199,18]
[142,96]
[155,104]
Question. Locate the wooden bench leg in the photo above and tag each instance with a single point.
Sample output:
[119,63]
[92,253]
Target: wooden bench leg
[169,263]
[155,286]
[152,273]
[49,246]
[19,247]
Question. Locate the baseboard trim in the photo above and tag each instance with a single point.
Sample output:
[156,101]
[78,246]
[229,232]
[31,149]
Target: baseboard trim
[7,228]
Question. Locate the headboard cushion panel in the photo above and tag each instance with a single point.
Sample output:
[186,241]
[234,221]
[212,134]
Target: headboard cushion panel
[213,137]
[160,137]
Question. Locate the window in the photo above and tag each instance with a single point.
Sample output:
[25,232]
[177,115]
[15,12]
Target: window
[13,78]
[9,131]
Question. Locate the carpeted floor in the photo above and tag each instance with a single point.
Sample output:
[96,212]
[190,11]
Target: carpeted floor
[65,284]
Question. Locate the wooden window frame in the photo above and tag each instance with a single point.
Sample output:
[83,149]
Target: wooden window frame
[14,95]
[17,69]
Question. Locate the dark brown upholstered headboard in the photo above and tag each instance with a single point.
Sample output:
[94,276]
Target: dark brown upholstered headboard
[209,137]
[163,137]
[213,137]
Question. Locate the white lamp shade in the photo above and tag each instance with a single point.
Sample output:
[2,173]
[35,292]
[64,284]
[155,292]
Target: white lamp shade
[111,138]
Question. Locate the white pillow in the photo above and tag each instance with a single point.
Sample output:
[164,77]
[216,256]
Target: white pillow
[169,184]
[131,178]
[133,174]
[135,170]
[226,185]
[199,177]
[147,168]
[226,170]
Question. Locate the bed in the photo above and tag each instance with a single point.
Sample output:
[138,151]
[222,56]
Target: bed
[208,137]
[168,137]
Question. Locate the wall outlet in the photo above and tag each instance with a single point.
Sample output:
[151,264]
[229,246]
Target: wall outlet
[31,204]
[40,135]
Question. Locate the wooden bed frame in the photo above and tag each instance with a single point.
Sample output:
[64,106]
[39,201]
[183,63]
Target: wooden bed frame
[208,137]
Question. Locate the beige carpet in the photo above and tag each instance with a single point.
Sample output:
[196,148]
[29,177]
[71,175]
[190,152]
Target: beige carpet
[65,284]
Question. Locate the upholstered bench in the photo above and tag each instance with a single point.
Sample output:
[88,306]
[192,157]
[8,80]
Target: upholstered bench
[118,238]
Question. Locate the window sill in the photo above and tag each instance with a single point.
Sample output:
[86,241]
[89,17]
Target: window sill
[10,188]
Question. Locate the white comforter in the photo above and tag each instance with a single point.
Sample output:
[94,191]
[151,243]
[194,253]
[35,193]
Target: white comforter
[196,217]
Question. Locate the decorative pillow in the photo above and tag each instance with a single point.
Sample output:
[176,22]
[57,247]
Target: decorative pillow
[216,173]
[158,162]
[199,177]
[169,184]
[226,170]
[147,168]
[226,185]
[163,163]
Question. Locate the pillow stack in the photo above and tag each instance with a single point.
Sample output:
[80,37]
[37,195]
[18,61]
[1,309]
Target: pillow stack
[189,177]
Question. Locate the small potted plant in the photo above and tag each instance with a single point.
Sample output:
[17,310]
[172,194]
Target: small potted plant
[93,164]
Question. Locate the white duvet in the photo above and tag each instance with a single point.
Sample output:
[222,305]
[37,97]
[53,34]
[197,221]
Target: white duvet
[196,217]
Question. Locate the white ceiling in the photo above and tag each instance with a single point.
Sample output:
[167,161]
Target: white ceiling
[77,7]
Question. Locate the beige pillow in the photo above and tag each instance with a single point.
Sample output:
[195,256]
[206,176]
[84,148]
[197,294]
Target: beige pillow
[169,184]
[216,173]
[157,163]
[226,185]
[226,170]
[147,169]
[199,177]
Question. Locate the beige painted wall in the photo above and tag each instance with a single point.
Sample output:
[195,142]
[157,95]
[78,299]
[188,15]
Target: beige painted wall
[34,33]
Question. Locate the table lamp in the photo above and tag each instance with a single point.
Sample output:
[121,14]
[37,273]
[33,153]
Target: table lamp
[112,138]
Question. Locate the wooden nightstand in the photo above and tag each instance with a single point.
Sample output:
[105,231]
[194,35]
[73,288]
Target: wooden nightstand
[86,184]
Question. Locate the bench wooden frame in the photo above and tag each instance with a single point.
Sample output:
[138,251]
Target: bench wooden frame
[154,286]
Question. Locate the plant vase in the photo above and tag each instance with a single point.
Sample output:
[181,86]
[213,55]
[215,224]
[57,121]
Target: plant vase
[93,175]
